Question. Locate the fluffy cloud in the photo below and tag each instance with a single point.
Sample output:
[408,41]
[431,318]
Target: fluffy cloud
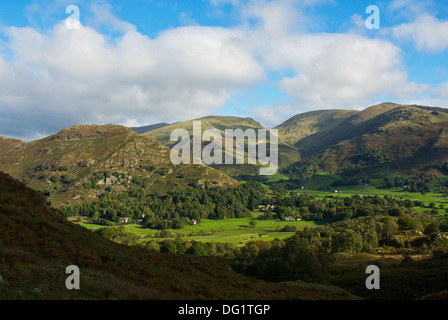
[412,8]
[333,70]
[343,70]
[340,70]
[67,77]
[62,77]
[272,116]
[427,33]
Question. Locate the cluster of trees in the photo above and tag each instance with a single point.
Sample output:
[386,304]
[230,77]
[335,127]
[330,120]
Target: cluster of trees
[305,255]
[413,184]
[118,234]
[443,166]
[176,208]
[179,207]
[290,259]
[329,208]
[372,156]
[179,246]
[65,179]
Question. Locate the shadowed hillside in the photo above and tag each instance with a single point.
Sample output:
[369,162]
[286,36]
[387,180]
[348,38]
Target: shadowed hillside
[37,244]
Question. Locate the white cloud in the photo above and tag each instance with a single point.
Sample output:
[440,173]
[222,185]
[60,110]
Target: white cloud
[103,16]
[67,77]
[331,69]
[272,116]
[61,77]
[277,17]
[412,8]
[427,33]
[335,70]
[441,91]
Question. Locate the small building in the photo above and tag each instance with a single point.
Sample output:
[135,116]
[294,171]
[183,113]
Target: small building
[292,219]
[266,207]
[124,220]
[193,222]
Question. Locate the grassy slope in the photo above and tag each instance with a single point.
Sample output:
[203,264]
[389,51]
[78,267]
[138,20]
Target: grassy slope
[233,230]
[37,244]
[303,125]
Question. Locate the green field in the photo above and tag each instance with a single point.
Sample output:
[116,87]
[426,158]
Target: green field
[319,185]
[238,231]
[235,231]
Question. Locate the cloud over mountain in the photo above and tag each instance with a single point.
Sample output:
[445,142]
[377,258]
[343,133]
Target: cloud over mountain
[67,77]
[108,71]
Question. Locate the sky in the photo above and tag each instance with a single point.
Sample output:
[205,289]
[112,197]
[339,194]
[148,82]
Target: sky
[141,62]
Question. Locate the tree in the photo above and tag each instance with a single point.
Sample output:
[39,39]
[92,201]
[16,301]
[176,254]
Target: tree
[347,241]
[406,222]
[432,230]
[253,223]
[168,246]
[177,223]
[389,227]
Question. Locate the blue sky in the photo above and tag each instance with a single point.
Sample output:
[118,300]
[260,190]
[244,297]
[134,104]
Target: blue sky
[140,62]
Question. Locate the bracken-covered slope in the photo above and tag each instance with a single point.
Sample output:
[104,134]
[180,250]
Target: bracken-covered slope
[390,137]
[81,163]
[37,244]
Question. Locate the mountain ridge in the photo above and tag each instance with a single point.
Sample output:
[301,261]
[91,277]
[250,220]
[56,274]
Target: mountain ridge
[392,136]
[287,154]
[408,136]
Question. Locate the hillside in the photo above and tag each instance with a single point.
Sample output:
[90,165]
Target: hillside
[287,154]
[306,124]
[82,163]
[37,244]
[383,138]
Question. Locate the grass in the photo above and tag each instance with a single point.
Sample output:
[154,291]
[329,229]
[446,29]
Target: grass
[321,180]
[276,177]
[236,231]
[319,185]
